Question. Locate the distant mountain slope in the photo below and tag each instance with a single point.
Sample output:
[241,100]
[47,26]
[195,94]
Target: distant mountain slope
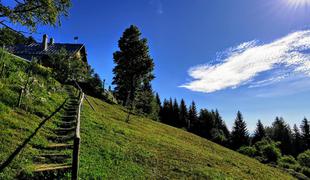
[114,149]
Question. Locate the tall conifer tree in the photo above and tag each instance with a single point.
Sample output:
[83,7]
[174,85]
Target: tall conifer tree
[297,141]
[305,132]
[176,113]
[281,132]
[183,113]
[192,116]
[259,132]
[134,67]
[239,134]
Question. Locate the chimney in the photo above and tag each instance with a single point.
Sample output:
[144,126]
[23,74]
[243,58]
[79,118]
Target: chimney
[52,41]
[44,42]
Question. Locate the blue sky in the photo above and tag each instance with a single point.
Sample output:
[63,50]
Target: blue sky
[198,45]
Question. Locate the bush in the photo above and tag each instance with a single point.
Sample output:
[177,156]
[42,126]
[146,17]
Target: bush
[306,171]
[248,150]
[268,150]
[271,153]
[304,159]
[288,162]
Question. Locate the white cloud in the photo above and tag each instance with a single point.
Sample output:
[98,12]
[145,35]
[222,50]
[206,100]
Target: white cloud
[247,61]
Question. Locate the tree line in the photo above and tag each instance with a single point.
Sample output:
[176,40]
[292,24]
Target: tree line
[209,124]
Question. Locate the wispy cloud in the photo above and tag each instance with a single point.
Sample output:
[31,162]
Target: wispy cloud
[242,65]
[158,4]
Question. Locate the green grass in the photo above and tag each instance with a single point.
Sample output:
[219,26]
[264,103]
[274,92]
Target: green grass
[112,148]
[145,149]
[43,96]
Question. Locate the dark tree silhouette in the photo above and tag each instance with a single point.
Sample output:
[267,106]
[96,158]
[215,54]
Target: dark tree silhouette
[192,117]
[259,132]
[183,114]
[281,132]
[176,113]
[134,66]
[239,134]
[297,141]
[305,133]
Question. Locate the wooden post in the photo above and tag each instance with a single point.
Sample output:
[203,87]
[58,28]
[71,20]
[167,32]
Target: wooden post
[76,143]
[75,159]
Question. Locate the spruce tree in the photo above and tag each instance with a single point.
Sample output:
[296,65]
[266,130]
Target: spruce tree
[158,102]
[183,114]
[204,129]
[259,132]
[220,124]
[297,141]
[239,134]
[192,116]
[305,133]
[281,132]
[164,112]
[134,66]
[176,113]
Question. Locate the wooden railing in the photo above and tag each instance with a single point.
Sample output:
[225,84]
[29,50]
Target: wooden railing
[77,140]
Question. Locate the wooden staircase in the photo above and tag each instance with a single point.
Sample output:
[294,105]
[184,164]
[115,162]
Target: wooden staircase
[55,159]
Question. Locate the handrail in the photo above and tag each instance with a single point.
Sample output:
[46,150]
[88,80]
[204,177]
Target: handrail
[79,116]
[77,140]
[79,87]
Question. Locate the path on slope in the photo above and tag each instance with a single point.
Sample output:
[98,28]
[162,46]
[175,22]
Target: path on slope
[55,159]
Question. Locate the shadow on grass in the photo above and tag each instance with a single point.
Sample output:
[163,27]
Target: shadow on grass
[20,147]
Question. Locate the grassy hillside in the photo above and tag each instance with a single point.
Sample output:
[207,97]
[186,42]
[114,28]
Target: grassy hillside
[111,148]
[114,149]
[42,96]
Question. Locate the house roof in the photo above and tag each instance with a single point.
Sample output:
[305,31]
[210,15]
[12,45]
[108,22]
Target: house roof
[36,49]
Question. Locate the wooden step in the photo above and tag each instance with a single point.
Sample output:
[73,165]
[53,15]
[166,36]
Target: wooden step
[52,158]
[59,146]
[68,121]
[68,116]
[61,139]
[64,131]
[70,109]
[52,167]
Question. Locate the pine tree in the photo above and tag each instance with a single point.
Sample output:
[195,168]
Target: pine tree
[158,102]
[239,134]
[220,124]
[183,114]
[281,132]
[134,66]
[192,116]
[259,132]
[204,128]
[305,133]
[144,100]
[297,141]
[165,112]
[170,113]
[176,113]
